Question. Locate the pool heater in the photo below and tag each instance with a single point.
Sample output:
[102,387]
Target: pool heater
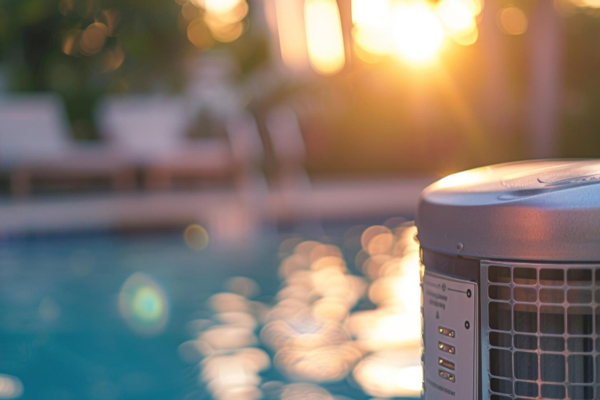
[511,282]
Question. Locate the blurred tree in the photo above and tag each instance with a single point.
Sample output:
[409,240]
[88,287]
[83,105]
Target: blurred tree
[83,49]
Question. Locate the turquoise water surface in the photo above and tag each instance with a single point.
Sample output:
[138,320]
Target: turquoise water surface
[167,316]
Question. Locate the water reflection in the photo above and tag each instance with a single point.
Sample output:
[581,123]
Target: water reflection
[329,322]
[10,387]
[229,363]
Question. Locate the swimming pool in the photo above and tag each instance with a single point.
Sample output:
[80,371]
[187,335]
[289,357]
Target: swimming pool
[172,316]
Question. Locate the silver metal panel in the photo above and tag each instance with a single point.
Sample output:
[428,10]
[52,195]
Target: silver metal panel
[553,307]
[538,210]
[450,304]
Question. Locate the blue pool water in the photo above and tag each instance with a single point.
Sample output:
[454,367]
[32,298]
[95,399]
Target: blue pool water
[106,316]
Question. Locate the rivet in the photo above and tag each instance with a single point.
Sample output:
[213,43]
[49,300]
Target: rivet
[460,247]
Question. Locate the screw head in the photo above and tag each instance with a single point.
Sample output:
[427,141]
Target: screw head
[467,324]
[469,293]
[460,247]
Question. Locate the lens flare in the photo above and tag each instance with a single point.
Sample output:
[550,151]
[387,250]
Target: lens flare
[143,304]
[417,32]
[196,237]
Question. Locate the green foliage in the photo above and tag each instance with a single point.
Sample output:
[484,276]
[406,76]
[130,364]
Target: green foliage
[138,47]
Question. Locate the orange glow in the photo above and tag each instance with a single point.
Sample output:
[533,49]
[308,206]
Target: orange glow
[93,38]
[587,3]
[220,6]
[224,32]
[224,19]
[324,36]
[466,38]
[199,35]
[190,11]
[69,40]
[512,21]
[113,59]
[414,31]
[417,32]
[458,19]
[372,27]
[456,15]
[373,39]
[292,34]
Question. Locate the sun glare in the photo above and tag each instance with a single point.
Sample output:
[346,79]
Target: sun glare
[458,19]
[412,30]
[417,32]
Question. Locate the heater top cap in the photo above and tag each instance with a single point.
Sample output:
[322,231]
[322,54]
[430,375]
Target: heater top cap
[547,210]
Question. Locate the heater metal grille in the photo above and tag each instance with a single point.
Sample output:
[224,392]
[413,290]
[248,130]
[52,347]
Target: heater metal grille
[540,331]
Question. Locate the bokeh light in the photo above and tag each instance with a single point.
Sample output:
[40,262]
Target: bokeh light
[291,34]
[411,30]
[196,237]
[49,309]
[458,19]
[324,36]
[211,20]
[93,38]
[325,324]
[11,387]
[372,27]
[199,34]
[587,3]
[390,374]
[417,32]
[143,304]
[512,20]
[113,59]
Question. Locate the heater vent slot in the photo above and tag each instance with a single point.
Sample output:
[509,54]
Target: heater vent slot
[540,330]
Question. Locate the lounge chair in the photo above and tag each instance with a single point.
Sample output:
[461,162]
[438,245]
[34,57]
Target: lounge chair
[35,143]
[289,148]
[294,184]
[153,132]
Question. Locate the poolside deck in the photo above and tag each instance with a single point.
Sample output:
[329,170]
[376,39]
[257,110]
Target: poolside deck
[326,199]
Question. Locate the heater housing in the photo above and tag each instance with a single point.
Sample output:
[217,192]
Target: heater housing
[510,264]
